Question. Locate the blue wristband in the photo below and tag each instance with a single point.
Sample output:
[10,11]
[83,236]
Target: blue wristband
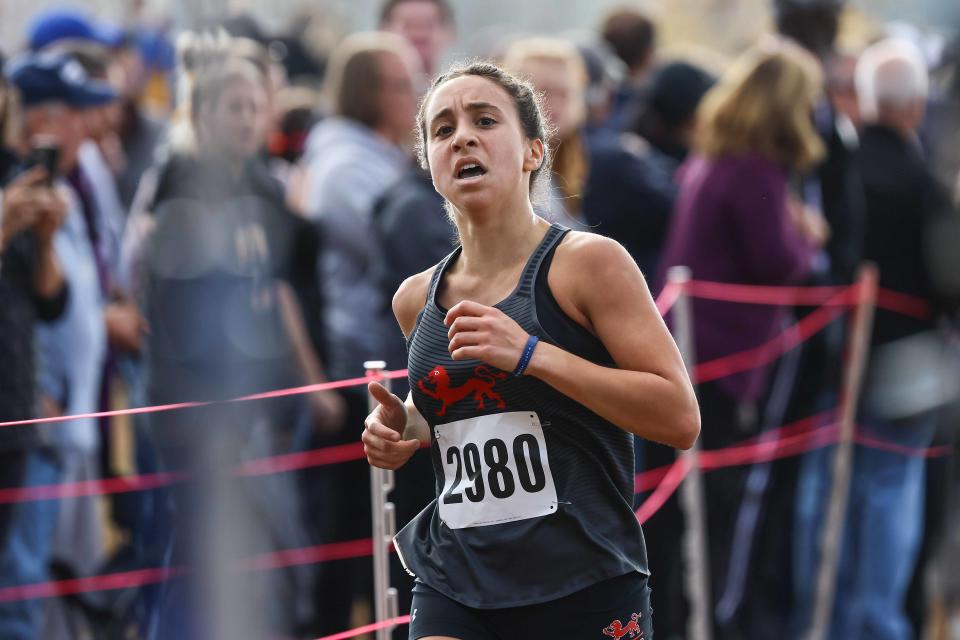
[526,356]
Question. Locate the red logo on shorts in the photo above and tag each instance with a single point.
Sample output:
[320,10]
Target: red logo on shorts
[632,630]
[479,387]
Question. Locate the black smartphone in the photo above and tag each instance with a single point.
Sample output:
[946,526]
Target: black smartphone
[46,154]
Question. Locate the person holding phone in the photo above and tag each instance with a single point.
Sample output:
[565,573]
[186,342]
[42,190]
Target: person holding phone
[532,382]
[54,91]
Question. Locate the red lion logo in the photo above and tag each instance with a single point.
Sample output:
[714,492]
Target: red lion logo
[632,630]
[479,387]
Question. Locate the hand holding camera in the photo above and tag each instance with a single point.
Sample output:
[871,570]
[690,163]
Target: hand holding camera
[30,199]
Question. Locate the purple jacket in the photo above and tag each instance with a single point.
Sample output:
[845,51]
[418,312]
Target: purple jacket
[731,224]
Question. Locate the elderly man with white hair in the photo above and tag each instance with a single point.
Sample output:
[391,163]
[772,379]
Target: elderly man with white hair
[884,525]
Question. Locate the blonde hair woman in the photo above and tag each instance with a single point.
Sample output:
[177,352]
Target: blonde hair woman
[557,71]
[763,106]
[609,183]
[735,222]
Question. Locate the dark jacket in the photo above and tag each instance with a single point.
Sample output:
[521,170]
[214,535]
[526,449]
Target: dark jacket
[842,202]
[414,233]
[629,195]
[903,199]
[20,309]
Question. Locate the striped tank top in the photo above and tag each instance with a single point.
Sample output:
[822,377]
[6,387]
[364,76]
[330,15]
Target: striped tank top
[534,490]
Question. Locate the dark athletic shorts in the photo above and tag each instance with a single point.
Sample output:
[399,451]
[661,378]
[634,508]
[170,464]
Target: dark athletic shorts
[615,608]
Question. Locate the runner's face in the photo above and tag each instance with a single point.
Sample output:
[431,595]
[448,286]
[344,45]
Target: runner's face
[476,148]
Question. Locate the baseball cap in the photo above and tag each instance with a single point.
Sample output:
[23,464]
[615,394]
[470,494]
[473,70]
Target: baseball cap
[68,24]
[56,77]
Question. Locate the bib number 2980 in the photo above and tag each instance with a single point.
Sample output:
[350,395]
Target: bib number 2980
[495,470]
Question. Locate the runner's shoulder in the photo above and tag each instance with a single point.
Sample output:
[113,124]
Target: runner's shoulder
[583,257]
[410,299]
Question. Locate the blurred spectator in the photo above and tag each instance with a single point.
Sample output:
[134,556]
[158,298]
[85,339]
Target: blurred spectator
[667,119]
[95,186]
[840,86]
[147,59]
[352,158]
[101,141]
[808,376]
[426,24]
[633,37]
[605,72]
[813,24]
[223,262]
[228,108]
[413,229]
[32,289]
[941,127]
[884,517]
[295,115]
[127,68]
[557,71]
[611,183]
[55,91]
[735,221]
[834,186]
[140,132]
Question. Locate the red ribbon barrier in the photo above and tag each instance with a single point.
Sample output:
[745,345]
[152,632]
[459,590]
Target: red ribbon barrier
[668,297]
[89,487]
[671,481]
[769,295]
[902,303]
[310,555]
[107,582]
[865,440]
[266,395]
[359,631]
[793,439]
[771,350]
[123,580]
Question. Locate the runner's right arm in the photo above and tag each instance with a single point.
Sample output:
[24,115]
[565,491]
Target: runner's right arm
[394,430]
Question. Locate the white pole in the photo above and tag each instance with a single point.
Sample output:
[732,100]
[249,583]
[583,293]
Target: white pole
[384,524]
[843,454]
[692,500]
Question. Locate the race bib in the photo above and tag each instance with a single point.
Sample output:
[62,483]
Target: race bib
[495,470]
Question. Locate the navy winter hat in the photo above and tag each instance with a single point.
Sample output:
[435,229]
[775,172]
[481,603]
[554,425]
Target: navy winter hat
[56,77]
[677,89]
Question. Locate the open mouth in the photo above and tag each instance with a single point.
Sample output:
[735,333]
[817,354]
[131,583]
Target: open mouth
[470,170]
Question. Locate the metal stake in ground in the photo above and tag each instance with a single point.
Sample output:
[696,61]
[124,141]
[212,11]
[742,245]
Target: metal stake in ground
[692,501]
[384,524]
[843,454]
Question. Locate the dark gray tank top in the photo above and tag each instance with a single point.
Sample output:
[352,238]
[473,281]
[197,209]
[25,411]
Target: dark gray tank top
[534,489]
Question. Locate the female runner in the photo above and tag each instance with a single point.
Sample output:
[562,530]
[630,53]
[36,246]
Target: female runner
[535,355]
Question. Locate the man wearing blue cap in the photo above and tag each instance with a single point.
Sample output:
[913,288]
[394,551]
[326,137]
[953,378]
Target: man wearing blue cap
[54,91]
[32,290]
